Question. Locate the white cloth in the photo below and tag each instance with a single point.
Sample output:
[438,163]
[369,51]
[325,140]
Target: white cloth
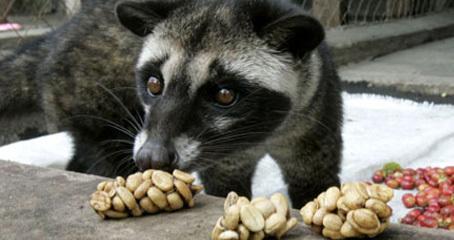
[377,130]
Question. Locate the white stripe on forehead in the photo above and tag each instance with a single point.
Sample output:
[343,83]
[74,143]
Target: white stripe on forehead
[157,49]
[153,49]
[259,66]
[263,68]
[171,67]
[199,70]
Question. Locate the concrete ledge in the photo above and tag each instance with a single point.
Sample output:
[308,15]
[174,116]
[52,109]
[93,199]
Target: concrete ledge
[362,87]
[39,203]
[356,43]
[426,70]
[13,39]
[349,44]
[32,27]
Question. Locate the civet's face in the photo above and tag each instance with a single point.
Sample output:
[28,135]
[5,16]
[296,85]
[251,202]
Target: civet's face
[211,80]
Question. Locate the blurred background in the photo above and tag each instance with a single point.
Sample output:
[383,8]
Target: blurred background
[396,62]
[39,16]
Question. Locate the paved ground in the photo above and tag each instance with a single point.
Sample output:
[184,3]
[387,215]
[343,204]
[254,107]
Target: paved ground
[426,69]
[356,43]
[39,203]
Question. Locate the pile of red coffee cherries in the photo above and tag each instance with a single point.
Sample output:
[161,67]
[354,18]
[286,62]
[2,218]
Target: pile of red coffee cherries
[433,203]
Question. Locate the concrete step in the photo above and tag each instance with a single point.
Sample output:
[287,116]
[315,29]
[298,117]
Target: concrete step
[425,70]
[357,43]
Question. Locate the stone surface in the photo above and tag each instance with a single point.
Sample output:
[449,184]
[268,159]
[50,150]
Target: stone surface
[426,69]
[357,43]
[39,203]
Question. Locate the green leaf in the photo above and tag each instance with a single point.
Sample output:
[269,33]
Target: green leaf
[391,167]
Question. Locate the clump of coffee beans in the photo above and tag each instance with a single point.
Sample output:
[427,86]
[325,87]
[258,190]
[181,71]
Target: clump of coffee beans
[356,210]
[149,192]
[254,220]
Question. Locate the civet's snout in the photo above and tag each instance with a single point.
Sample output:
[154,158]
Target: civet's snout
[156,154]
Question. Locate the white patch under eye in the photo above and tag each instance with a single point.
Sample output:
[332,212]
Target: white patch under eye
[223,123]
[187,148]
[140,139]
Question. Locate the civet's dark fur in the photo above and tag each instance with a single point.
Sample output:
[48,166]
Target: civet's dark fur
[83,76]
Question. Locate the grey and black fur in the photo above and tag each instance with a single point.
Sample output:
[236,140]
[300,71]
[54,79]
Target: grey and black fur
[268,52]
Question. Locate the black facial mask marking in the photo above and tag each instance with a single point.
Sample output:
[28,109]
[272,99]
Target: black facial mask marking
[256,114]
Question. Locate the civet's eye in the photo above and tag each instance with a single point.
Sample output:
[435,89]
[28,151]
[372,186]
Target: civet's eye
[225,97]
[154,86]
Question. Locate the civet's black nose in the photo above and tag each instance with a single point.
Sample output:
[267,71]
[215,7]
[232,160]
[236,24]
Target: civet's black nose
[156,155]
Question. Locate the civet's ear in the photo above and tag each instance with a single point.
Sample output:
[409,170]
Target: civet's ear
[284,26]
[141,17]
[297,34]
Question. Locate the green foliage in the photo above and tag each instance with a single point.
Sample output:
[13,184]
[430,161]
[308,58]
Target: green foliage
[391,167]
